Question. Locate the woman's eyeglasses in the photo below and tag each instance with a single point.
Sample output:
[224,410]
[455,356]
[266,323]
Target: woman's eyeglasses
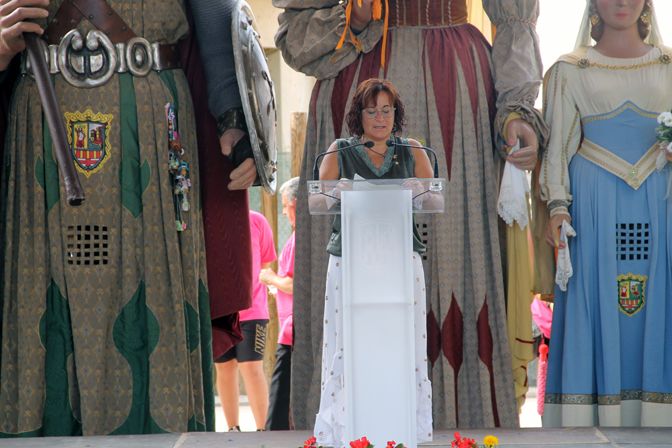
[372,112]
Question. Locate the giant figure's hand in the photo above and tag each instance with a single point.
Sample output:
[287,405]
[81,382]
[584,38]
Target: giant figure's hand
[526,157]
[553,229]
[15,19]
[243,176]
[229,139]
[361,16]
[668,153]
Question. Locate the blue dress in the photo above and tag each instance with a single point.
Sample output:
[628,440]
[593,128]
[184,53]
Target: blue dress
[610,356]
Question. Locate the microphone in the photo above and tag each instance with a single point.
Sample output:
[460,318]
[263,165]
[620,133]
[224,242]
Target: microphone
[316,172]
[393,141]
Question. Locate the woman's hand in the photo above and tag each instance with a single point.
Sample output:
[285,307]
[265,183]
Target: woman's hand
[553,229]
[413,184]
[526,157]
[361,15]
[16,18]
[342,185]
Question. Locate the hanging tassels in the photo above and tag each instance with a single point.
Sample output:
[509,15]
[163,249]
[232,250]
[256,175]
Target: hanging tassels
[542,315]
[542,369]
[383,50]
[376,14]
[348,13]
[347,31]
[376,9]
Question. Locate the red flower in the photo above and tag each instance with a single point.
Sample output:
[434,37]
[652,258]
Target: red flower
[391,444]
[310,443]
[361,443]
[460,442]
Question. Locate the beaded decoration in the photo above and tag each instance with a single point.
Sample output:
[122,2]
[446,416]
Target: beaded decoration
[178,169]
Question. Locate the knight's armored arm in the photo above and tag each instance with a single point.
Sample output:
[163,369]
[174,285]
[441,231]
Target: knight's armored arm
[212,20]
[4,75]
[231,54]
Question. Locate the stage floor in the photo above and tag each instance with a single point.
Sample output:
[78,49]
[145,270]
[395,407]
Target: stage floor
[550,438]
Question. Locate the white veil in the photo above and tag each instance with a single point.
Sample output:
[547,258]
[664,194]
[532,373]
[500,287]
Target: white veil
[584,39]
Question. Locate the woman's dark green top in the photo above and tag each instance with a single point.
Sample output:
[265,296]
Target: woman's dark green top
[399,163]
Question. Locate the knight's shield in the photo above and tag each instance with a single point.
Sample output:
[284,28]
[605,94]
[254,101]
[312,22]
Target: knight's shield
[257,94]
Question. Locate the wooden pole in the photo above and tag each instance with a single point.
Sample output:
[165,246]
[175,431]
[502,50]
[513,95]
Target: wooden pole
[298,122]
[269,208]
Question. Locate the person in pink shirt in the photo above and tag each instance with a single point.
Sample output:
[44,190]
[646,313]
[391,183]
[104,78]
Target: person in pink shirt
[278,410]
[248,354]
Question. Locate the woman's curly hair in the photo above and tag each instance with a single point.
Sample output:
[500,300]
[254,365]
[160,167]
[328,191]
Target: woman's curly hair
[365,96]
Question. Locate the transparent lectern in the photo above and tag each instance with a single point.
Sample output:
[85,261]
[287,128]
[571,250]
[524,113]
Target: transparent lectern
[378,328]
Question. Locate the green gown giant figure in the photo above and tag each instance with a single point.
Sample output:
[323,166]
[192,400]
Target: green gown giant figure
[105,309]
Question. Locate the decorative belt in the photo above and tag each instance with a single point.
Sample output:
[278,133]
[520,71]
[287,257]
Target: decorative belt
[91,61]
[427,13]
[633,175]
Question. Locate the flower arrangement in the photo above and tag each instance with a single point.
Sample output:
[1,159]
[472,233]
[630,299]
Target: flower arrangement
[664,131]
[664,137]
[459,442]
[359,443]
[465,442]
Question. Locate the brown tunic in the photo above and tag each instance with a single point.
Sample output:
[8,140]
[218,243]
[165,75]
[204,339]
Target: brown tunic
[105,321]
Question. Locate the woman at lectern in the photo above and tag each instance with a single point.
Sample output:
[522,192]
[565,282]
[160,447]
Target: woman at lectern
[374,151]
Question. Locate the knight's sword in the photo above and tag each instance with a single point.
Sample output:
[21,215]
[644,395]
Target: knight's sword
[74,192]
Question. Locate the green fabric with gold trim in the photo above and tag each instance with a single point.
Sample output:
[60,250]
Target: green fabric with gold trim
[105,310]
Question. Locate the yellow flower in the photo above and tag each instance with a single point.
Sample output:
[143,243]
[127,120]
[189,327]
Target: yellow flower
[490,441]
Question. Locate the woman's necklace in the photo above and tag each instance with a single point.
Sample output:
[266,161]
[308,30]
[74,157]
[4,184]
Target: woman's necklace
[383,154]
[369,146]
[377,153]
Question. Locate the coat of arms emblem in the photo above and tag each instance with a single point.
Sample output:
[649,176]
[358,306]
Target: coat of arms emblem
[88,135]
[631,293]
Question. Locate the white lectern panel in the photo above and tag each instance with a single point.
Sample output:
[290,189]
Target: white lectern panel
[378,339]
